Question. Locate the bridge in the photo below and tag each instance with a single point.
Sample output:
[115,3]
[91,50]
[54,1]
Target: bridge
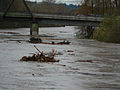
[35,20]
[47,19]
[52,19]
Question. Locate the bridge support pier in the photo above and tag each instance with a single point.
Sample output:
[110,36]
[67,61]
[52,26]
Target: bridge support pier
[34,34]
[34,30]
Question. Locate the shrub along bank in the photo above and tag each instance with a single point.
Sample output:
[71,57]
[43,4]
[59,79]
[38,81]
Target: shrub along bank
[109,30]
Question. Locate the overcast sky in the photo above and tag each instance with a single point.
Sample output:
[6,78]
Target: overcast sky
[64,1]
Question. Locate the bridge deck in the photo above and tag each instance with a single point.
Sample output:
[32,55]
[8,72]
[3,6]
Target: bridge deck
[54,19]
[49,16]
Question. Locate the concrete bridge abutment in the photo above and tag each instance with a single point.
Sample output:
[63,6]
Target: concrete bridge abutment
[34,30]
[34,34]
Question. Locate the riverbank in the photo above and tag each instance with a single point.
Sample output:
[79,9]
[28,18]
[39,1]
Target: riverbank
[109,30]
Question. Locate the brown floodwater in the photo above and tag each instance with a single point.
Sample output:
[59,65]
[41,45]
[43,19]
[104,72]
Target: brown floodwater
[85,64]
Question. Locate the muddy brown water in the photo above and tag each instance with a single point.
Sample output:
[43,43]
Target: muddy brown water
[103,73]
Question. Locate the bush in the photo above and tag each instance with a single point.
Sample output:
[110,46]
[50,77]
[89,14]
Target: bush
[109,30]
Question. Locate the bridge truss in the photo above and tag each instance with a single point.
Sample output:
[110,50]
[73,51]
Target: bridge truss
[11,3]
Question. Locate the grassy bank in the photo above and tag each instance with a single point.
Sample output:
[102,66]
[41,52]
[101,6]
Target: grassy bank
[109,30]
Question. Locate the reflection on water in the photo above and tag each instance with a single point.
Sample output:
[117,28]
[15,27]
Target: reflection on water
[73,72]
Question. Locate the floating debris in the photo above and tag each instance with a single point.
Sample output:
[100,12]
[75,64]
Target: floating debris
[91,61]
[64,42]
[35,40]
[70,51]
[38,40]
[9,32]
[40,57]
[60,65]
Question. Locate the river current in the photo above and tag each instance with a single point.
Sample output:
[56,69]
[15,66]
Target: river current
[85,64]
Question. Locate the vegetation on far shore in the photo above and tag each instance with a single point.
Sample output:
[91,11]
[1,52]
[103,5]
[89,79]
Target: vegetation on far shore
[109,30]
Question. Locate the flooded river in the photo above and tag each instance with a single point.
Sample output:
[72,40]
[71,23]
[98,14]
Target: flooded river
[84,64]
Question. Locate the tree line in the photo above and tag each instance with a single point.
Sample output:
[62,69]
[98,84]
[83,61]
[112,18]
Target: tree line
[46,6]
[109,30]
[87,7]
[98,6]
